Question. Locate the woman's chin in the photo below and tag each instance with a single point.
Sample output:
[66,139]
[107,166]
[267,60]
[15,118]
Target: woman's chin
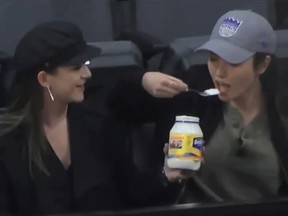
[224,97]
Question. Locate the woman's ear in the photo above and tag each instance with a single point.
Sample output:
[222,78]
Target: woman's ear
[264,65]
[42,78]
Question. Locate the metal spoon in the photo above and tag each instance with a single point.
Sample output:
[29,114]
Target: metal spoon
[207,92]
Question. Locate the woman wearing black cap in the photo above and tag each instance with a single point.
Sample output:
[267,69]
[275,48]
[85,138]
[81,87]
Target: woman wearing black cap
[51,159]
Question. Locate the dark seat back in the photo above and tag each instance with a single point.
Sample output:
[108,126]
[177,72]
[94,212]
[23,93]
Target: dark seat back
[168,20]
[18,16]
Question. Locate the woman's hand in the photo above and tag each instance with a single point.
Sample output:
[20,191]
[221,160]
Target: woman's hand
[174,175]
[161,85]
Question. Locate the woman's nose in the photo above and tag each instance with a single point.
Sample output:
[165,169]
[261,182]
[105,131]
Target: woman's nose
[86,73]
[221,69]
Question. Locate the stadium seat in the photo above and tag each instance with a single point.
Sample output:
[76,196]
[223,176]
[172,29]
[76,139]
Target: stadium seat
[19,16]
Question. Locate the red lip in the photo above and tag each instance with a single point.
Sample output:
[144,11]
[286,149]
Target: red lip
[220,83]
[222,87]
[80,85]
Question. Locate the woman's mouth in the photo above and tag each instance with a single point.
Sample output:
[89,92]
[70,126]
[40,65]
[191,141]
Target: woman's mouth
[80,87]
[222,87]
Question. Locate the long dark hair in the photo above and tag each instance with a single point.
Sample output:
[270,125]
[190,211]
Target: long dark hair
[25,102]
[270,79]
[272,85]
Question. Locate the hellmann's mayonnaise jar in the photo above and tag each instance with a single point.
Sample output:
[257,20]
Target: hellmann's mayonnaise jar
[185,144]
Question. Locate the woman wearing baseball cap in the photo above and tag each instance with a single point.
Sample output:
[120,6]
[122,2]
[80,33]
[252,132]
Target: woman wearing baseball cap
[246,147]
[52,158]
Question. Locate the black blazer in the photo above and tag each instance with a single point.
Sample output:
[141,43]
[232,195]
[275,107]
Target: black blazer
[103,178]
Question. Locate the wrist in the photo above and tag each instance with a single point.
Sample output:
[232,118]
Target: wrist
[169,180]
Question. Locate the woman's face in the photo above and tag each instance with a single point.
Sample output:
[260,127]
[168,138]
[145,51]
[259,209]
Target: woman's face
[67,84]
[233,81]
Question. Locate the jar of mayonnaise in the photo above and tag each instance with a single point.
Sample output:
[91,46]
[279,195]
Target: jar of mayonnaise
[185,144]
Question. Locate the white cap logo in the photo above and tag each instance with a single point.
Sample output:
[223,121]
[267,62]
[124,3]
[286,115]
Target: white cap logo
[229,27]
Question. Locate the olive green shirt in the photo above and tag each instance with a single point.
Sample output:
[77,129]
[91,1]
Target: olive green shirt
[240,161]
